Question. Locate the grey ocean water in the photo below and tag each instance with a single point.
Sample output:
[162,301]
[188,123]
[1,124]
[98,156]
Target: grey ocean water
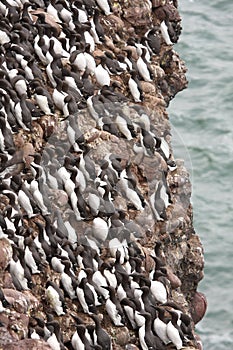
[202,117]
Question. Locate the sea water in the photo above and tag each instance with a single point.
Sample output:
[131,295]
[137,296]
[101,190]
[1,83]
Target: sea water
[202,119]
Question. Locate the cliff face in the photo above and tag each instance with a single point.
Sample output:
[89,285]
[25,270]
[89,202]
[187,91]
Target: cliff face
[90,192]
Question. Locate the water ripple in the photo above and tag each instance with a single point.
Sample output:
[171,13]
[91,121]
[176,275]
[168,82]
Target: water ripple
[202,116]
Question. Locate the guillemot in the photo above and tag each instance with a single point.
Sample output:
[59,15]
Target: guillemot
[55,297]
[103,339]
[173,331]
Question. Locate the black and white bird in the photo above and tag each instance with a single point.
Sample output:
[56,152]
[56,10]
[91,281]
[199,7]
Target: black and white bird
[143,67]
[101,74]
[103,339]
[44,100]
[160,325]
[55,297]
[165,34]
[174,331]
[104,6]
[135,87]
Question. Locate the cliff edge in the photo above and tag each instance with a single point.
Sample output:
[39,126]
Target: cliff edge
[97,244]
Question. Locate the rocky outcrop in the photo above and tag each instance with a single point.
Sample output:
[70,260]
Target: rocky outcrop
[90,192]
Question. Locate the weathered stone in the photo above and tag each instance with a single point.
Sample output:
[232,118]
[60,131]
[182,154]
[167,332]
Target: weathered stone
[138,13]
[21,301]
[5,337]
[25,344]
[131,347]
[199,306]
[5,253]
[18,325]
[123,337]
[174,280]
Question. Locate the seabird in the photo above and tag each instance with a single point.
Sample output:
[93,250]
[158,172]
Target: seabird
[17,271]
[142,67]
[104,6]
[82,300]
[159,291]
[55,297]
[44,100]
[59,95]
[97,29]
[67,280]
[90,6]
[82,338]
[129,308]
[159,326]
[99,282]
[90,61]
[164,31]
[135,87]
[102,75]
[42,241]
[80,11]
[53,339]
[123,127]
[153,40]
[30,261]
[100,229]
[130,194]
[113,307]
[56,263]
[146,337]
[103,338]
[77,342]
[6,138]
[108,273]
[78,59]
[38,197]
[173,331]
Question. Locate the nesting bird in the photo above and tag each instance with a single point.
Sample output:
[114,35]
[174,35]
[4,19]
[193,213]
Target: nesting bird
[65,216]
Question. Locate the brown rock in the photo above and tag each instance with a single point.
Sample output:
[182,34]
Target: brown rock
[172,13]
[33,302]
[198,341]
[22,302]
[155,101]
[160,14]
[28,150]
[48,124]
[49,19]
[148,88]
[198,307]
[133,51]
[5,338]
[149,263]
[37,136]
[131,347]
[18,325]
[4,202]
[157,71]
[6,279]
[16,299]
[5,253]
[122,337]
[157,3]
[29,344]
[60,197]
[114,23]
[174,280]
[138,13]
